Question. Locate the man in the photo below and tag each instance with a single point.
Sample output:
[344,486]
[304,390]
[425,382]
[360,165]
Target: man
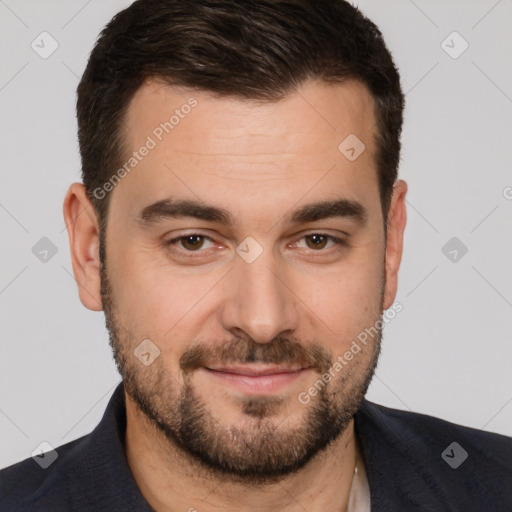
[241,225]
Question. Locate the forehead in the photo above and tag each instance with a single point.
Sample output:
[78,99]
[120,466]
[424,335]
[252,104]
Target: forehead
[207,147]
[315,108]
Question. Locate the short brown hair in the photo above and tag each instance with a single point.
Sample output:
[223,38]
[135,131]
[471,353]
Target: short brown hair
[257,49]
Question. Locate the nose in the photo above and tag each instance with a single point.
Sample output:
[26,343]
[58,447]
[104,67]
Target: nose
[260,303]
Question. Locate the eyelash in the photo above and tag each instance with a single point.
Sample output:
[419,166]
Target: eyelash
[195,254]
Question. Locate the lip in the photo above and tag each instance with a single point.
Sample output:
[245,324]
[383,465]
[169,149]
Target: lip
[257,379]
[255,370]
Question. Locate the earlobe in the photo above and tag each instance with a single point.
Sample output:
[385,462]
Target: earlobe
[83,232]
[397,219]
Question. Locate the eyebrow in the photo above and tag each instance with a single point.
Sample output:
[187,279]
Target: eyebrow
[178,208]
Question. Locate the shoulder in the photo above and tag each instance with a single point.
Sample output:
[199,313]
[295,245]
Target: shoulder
[89,474]
[24,483]
[422,430]
[416,459]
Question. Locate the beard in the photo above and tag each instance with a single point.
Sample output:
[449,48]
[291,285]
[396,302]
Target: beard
[260,449]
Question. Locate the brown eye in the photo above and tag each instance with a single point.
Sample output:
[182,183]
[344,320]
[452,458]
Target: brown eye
[316,241]
[192,245]
[192,242]
[321,242]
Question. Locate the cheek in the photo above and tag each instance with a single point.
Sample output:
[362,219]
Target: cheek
[346,301]
[157,301]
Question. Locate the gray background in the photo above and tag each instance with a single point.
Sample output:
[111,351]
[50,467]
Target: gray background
[448,353]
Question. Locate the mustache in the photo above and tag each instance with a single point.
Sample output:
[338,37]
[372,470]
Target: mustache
[245,350]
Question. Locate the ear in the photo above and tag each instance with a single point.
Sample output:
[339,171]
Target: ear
[83,232]
[397,218]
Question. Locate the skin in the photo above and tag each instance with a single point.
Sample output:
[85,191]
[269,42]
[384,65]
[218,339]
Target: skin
[260,161]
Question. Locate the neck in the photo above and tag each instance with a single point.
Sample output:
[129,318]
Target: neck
[171,481]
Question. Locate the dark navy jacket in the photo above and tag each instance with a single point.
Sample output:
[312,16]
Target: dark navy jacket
[410,463]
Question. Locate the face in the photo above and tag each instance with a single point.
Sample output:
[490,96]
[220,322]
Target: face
[250,251]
